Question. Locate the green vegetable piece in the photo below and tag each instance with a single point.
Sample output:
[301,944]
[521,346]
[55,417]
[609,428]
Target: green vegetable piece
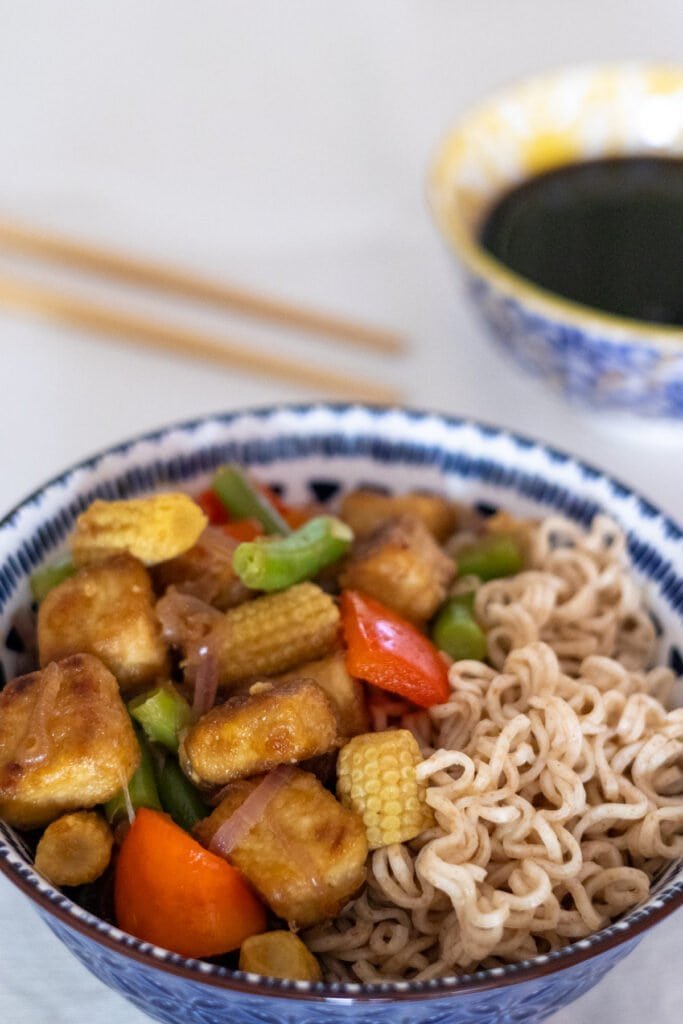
[244,501]
[279,563]
[142,788]
[42,581]
[497,554]
[456,632]
[178,796]
[162,713]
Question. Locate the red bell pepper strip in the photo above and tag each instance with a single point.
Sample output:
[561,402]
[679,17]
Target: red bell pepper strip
[243,529]
[389,652]
[212,507]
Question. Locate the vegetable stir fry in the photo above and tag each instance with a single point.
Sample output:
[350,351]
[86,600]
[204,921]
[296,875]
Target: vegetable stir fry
[199,726]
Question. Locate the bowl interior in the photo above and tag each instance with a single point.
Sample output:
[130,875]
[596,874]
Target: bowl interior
[318,452]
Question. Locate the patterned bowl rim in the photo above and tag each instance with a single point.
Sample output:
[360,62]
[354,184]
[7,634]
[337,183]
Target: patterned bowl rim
[55,904]
[465,243]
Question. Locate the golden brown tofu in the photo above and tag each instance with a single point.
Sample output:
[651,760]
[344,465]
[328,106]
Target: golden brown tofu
[205,571]
[366,510]
[66,741]
[106,609]
[305,856]
[254,732]
[346,693]
[403,567]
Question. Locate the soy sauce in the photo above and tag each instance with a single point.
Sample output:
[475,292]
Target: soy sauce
[605,233]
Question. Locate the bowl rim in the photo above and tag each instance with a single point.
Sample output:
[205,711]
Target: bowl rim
[51,902]
[465,244]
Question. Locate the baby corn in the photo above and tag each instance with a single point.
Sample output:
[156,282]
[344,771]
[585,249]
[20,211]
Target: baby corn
[75,849]
[279,954]
[376,778]
[152,529]
[274,633]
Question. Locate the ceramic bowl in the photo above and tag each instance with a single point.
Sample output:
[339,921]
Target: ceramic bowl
[318,451]
[596,358]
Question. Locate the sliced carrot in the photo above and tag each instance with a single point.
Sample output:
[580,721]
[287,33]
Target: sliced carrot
[172,892]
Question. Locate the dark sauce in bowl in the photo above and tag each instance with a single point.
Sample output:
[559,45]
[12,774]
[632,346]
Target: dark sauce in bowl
[605,233]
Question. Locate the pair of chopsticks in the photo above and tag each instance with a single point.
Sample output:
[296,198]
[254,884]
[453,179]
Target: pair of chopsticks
[27,296]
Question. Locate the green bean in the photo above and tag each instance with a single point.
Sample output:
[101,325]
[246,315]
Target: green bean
[279,563]
[456,632]
[162,713]
[42,581]
[142,788]
[494,555]
[178,796]
[244,501]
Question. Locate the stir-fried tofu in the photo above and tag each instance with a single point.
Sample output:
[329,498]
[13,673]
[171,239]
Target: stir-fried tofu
[346,693]
[256,731]
[366,510]
[305,856]
[205,571]
[106,609]
[66,741]
[402,566]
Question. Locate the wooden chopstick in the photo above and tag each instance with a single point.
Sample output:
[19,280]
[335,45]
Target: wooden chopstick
[156,334]
[107,263]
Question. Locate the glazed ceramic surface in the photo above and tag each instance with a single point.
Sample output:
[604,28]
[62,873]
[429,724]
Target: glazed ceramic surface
[566,117]
[317,452]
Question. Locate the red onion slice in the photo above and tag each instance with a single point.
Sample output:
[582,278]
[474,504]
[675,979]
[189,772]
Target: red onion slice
[34,745]
[230,834]
[205,684]
[184,619]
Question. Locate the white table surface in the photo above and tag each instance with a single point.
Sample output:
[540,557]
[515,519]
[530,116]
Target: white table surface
[282,145]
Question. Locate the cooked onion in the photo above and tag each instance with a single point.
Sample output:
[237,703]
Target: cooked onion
[184,618]
[205,684]
[232,832]
[34,745]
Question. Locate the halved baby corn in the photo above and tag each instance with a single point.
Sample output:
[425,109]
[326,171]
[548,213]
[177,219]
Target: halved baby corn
[376,778]
[153,529]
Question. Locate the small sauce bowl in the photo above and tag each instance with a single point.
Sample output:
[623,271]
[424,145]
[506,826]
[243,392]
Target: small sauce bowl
[565,117]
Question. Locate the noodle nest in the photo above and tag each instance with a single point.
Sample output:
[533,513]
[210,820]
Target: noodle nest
[555,774]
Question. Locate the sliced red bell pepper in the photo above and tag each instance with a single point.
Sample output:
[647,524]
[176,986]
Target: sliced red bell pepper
[388,651]
[243,529]
[212,507]
[294,515]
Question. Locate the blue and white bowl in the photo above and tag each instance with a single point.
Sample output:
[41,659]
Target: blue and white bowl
[316,452]
[595,358]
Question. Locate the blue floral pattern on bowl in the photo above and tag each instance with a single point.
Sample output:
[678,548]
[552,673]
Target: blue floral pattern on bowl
[588,367]
[318,451]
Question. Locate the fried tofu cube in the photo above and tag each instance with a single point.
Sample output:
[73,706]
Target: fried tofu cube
[106,609]
[305,856]
[402,566]
[366,510]
[205,571]
[346,693]
[256,731]
[66,741]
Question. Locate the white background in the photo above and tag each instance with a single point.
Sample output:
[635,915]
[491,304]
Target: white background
[282,145]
